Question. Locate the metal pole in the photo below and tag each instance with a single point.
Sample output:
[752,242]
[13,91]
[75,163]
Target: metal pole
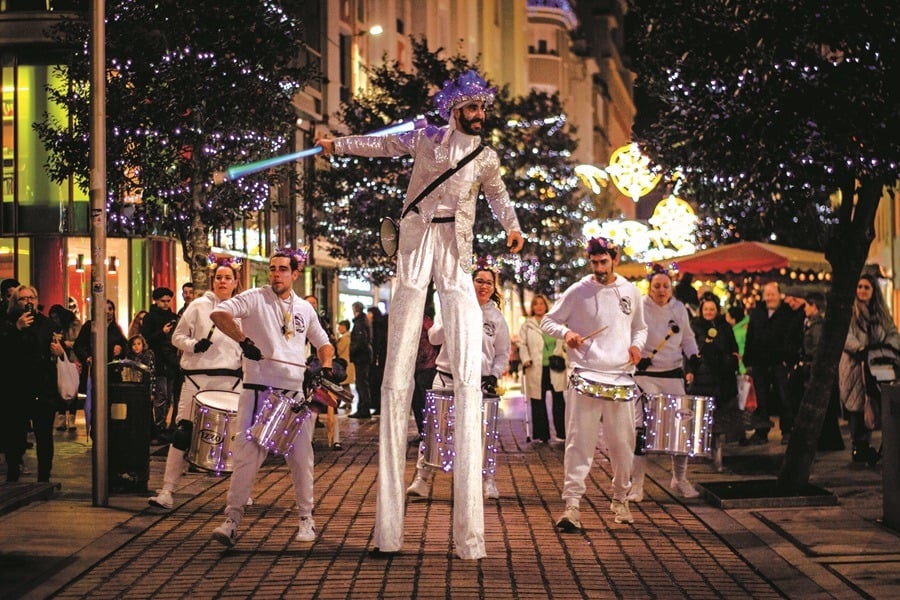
[100,485]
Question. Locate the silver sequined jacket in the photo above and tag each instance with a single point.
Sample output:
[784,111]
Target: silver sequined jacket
[431,158]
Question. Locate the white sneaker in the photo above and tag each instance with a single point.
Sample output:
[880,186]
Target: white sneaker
[249,501]
[636,494]
[622,512]
[570,521]
[419,487]
[226,533]
[162,499]
[307,530]
[683,487]
[490,489]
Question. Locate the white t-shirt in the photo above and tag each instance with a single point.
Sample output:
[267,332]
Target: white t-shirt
[262,316]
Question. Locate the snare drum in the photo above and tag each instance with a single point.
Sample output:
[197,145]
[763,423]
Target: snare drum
[602,391]
[214,412]
[437,443]
[279,419]
[679,425]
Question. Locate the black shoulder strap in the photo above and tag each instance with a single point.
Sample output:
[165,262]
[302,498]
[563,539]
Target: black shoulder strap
[441,179]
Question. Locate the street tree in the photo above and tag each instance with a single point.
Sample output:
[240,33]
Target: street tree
[782,116]
[531,136]
[192,88]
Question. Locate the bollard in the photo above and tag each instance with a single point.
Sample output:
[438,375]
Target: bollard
[890,422]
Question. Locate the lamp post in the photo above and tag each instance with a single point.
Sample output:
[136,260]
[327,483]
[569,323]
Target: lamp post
[100,457]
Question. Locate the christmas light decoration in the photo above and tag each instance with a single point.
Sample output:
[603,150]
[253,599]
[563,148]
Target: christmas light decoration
[593,177]
[630,171]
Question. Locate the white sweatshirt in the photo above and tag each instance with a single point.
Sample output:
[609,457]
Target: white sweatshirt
[658,318]
[195,325]
[586,307]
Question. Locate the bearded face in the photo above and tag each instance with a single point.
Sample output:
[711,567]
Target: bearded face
[470,118]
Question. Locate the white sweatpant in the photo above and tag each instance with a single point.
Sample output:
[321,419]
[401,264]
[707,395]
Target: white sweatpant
[583,415]
[249,457]
[435,258]
[175,461]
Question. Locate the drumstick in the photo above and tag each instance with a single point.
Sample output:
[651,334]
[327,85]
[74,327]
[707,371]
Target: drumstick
[211,329]
[284,362]
[672,330]
[593,333]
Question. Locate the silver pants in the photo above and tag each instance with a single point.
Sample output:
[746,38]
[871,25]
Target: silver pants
[435,258]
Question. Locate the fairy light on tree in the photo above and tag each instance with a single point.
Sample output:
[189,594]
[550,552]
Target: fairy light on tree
[192,88]
[774,108]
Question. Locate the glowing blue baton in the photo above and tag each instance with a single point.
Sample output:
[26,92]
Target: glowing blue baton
[238,171]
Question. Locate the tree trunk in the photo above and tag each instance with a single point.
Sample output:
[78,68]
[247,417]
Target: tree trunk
[846,252]
[197,246]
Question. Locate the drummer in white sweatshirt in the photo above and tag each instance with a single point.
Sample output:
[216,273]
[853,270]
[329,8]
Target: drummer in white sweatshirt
[662,369]
[601,319]
[210,360]
[495,346]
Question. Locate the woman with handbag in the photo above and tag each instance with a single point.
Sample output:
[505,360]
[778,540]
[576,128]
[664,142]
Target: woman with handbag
[65,329]
[870,326]
[544,365]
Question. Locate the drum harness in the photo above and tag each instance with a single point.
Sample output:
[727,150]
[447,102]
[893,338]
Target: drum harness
[237,373]
[444,376]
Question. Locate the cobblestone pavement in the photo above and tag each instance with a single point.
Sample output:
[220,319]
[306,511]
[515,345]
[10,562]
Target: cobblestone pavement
[668,553]
[675,549]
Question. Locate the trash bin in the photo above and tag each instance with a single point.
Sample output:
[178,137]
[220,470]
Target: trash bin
[890,439]
[129,426]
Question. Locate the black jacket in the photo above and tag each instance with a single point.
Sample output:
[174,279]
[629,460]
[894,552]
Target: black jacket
[715,374]
[769,339]
[152,329]
[361,340]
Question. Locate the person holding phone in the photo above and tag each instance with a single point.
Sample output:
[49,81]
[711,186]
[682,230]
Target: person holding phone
[27,353]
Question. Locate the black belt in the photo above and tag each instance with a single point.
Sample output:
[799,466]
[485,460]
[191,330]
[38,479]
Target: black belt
[443,374]
[443,219]
[238,374]
[214,372]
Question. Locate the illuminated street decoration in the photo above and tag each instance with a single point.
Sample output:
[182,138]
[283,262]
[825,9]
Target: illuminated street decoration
[673,226]
[593,177]
[630,172]
[676,222]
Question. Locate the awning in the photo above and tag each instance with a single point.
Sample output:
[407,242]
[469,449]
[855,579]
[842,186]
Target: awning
[752,257]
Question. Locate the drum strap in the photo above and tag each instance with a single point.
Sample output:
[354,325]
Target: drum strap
[258,387]
[670,374]
[238,374]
